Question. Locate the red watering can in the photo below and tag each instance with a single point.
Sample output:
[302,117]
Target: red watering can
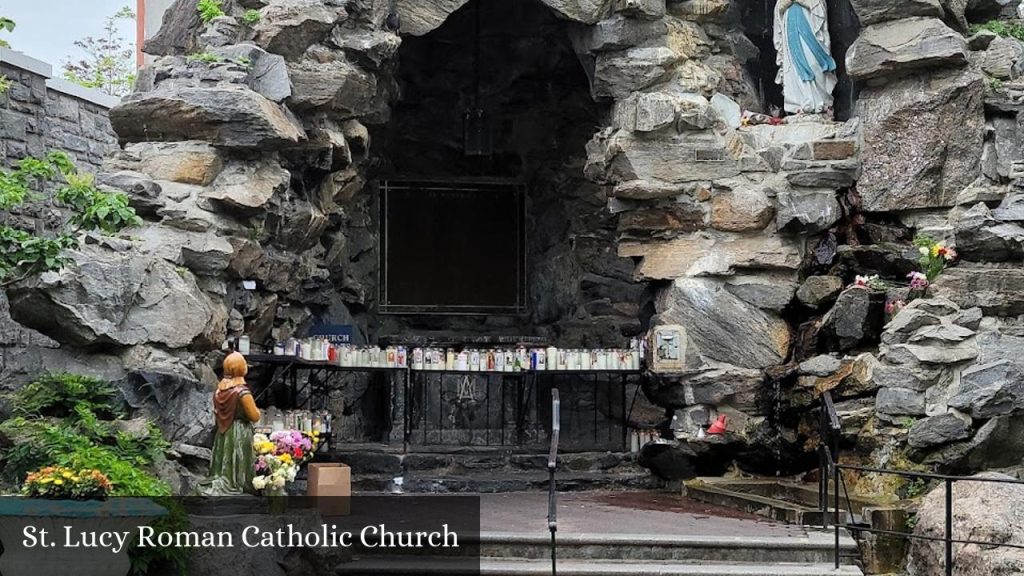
[719,426]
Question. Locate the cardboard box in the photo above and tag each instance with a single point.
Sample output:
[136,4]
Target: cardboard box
[331,484]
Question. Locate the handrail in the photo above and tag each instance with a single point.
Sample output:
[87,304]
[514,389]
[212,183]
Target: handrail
[829,456]
[830,411]
[556,428]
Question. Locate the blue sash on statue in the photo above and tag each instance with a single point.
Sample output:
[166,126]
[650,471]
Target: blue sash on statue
[799,33]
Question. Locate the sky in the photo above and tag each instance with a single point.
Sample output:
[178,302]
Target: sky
[47,29]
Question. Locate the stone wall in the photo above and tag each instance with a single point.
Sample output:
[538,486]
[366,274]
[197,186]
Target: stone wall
[40,113]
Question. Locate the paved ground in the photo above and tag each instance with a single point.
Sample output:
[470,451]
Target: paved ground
[622,513]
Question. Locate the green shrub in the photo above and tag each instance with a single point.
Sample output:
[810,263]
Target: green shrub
[72,420]
[251,17]
[209,9]
[146,560]
[1004,28]
[76,422]
[205,57]
[60,395]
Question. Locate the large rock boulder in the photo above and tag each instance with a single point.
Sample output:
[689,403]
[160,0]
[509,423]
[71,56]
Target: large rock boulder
[721,327]
[992,389]
[985,512]
[337,86]
[767,291]
[620,32]
[982,238]
[420,17]
[267,73]
[997,290]
[691,157]
[184,162]
[856,318]
[922,140]
[368,48]
[233,117]
[179,30]
[712,385]
[582,11]
[618,74]
[806,210]
[701,254]
[289,27]
[895,47]
[875,11]
[938,430]
[248,186]
[114,295]
[817,291]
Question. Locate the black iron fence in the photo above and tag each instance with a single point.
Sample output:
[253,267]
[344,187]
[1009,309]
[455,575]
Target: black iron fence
[829,446]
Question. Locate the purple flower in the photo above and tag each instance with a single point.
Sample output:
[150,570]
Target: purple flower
[918,281]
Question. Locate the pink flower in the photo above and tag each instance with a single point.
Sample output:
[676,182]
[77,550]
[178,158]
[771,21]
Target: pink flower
[894,306]
[918,281]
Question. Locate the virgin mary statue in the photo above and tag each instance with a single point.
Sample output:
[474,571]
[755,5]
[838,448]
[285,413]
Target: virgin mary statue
[807,70]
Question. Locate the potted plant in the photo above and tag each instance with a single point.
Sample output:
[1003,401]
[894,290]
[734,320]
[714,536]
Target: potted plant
[50,528]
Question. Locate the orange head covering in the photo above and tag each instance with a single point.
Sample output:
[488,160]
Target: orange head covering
[235,369]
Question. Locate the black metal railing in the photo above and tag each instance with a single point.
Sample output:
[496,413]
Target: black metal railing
[829,445]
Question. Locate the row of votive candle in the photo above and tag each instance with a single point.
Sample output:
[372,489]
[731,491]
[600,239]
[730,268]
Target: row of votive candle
[521,359]
[275,420]
[322,350]
[469,360]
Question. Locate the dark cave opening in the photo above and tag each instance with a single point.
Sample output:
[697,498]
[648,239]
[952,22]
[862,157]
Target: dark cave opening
[521,70]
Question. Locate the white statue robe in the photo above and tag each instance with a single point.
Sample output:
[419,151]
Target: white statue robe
[814,97]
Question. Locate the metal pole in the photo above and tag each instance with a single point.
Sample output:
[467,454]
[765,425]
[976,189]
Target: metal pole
[835,478]
[949,527]
[552,464]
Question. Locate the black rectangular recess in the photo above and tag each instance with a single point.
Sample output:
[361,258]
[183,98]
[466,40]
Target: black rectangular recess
[452,247]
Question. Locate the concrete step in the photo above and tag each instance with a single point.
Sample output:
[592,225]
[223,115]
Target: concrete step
[506,567]
[814,547]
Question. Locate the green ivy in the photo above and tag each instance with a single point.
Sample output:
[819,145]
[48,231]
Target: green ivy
[24,252]
[209,9]
[5,84]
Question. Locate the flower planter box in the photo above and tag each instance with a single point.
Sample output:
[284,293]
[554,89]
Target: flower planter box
[57,517]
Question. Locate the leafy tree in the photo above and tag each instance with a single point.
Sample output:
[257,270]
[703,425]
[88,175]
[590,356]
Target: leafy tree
[24,250]
[109,64]
[6,25]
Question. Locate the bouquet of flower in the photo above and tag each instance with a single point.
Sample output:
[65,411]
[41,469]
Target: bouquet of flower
[61,483]
[299,445]
[273,470]
[934,257]
[279,456]
[872,282]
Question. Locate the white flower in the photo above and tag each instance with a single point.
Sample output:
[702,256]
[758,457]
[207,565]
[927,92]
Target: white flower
[923,250]
[259,482]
